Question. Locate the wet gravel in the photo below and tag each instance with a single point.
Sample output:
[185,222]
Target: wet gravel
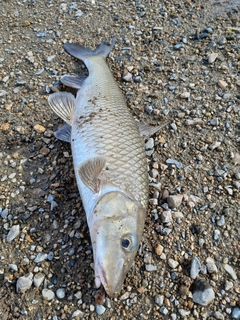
[177,63]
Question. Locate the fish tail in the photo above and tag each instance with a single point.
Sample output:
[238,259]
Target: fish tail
[80,52]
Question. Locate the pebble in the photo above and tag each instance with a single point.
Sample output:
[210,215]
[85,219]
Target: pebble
[13,267]
[48,294]
[3,93]
[173,263]
[236,313]
[212,57]
[195,268]
[149,144]
[174,201]
[174,162]
[39,128]
[164,310]
[211,266]
[127,76]
[24,283]
[13,232]
[77,314]
[4,213]
[178,46]
[166,217]
[230,271]
[158,249]
[60,293]
[40,257]
[49,59]
[218,315]
[185,95]
[203,293]
[38,279]
[159,299]
[150,267]
[184,313]
[216,234]
[222,84]
[100,309]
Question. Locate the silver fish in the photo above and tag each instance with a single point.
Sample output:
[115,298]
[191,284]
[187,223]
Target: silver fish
[109,161]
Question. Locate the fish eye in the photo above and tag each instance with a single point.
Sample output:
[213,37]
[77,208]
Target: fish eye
[129,242]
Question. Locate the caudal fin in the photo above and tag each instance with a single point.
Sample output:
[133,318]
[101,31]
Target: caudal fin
[82,53]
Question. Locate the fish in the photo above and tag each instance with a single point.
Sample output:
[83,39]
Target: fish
[109,161]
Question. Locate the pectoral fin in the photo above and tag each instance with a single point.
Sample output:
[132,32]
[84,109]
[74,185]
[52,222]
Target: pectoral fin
[90,173]
[146,130]
[73,82]
[64,133]
[64,105]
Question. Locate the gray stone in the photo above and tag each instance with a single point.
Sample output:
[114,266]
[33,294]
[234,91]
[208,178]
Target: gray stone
[38,279]
[230,271]
[195,268]
[172,263]
[236,313]
[100,309]
[60,293]
[48,294]
[174,201]
[24,283]
[203,294]
[13,233]
[150,267]
[149,144]
[40,257]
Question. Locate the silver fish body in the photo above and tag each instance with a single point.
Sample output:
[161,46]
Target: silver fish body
[110,164]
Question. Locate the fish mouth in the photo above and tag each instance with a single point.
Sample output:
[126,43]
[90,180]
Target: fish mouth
[112,286]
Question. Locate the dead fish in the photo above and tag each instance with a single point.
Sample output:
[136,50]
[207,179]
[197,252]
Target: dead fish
[109,161]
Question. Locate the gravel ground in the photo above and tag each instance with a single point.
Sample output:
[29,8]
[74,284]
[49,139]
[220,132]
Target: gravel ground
[177,63]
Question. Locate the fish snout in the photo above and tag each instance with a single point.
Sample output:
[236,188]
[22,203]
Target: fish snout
[111,276]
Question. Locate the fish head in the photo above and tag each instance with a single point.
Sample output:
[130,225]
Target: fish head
[116,230]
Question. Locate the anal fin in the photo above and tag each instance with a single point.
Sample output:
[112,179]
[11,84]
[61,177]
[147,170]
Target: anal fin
[90,173]
[64,105]
[73,82]
[64,133]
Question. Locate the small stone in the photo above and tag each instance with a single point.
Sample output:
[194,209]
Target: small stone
[185,95]
[38,279]
[178,46]
[125,296]
[149,144]
[4,213]
[24,283]
[221,221]
[159,299]
[3,93]
[195,268]
[212,57]
[236,313]
[13,267]
[45,151]
[230,270]
[166,217]
[164,310]
[49,59]
[48,294]
[40,257]
[173,263]
[184,313]
[127,76]
[173,126]
[215,145]
[216,234]
[39,128]
[174,201]
[13,232]
[193,122]
[158,249]
[203,294]
[228,285]
[211,266]
[100,309]
[174,162]
[150,267]
[60,293]
[218,315]
[222,84]
[77,314]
